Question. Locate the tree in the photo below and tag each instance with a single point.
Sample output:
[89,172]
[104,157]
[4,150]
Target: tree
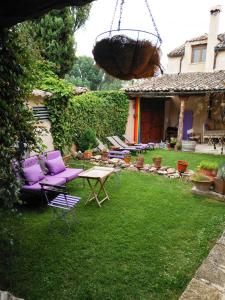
[17,124]
[81,15]
[86,73]
[55,36]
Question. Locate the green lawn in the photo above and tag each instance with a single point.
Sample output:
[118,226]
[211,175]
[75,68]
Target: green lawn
[145,243]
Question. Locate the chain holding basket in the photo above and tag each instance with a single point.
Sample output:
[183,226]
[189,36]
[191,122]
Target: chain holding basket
[125,57]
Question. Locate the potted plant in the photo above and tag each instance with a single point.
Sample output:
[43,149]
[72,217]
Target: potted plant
[104,154]
[157,161]
[178,146]
[127,158]
[201,182]
[182,166]
[208,168]
[220,180]
[173,142]
[140,161]
[86,142]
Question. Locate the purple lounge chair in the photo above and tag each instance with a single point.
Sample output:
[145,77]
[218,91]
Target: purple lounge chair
[120,147]
[112,153]
[149,146]
[125,146]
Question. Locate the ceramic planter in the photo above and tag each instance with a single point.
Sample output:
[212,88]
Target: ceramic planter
[87,154]
[188,146]
[219,186]
[104,156]
[211,173]
[127,159]
[203,186]
[172,145]
[139,162]
[157,162]
[182,166]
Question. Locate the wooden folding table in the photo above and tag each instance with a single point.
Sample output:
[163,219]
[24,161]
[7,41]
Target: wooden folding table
[99,175]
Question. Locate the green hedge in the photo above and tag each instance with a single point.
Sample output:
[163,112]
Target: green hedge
[104,112]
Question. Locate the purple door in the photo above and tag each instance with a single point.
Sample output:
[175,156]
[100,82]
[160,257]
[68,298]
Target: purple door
[188,121]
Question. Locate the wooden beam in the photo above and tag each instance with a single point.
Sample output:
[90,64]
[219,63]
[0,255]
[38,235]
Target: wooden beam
[183,100]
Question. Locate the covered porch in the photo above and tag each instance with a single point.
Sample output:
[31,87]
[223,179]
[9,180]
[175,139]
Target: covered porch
[170,105]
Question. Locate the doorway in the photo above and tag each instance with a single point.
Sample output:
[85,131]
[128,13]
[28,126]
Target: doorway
[188,123]
[152,120]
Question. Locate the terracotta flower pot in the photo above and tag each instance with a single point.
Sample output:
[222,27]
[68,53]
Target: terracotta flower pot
[139,162]
[182,166]
[211,173]
[157,162]
[87,154]
[104,156]
[127,159]
[219,186]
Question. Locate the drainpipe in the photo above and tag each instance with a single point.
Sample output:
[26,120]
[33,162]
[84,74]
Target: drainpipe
[215,57]
[180,64]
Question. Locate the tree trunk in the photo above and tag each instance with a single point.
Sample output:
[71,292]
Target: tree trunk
[183,100]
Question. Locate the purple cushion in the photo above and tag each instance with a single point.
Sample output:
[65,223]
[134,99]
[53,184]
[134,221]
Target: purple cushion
[55,165]
[53,154]
[48,179]
[30,161]
[33,174]
[69,173]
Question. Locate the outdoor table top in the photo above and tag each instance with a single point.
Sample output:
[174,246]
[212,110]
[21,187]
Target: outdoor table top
[97,172]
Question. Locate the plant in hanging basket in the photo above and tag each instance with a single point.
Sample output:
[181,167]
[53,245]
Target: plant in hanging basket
[126,58]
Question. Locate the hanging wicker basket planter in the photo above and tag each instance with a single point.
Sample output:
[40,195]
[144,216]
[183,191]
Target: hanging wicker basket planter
[125,54]
[126,58]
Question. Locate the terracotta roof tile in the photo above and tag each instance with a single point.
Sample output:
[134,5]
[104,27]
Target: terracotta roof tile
[175,83]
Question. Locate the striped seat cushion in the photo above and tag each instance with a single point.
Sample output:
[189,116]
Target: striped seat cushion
[64,201]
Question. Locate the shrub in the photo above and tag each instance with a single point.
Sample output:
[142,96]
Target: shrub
[87,140]
[179,146]
[208,165]
[200,177]
[173,140]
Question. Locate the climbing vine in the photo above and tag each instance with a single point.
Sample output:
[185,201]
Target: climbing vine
[17,126]
[104,112]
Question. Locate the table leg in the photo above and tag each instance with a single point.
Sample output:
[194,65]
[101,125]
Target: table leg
[102,188]
[95,194]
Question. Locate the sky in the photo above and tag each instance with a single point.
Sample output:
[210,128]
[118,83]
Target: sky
[176,20]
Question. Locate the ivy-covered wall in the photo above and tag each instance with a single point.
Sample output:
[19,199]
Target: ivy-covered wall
[105,112]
